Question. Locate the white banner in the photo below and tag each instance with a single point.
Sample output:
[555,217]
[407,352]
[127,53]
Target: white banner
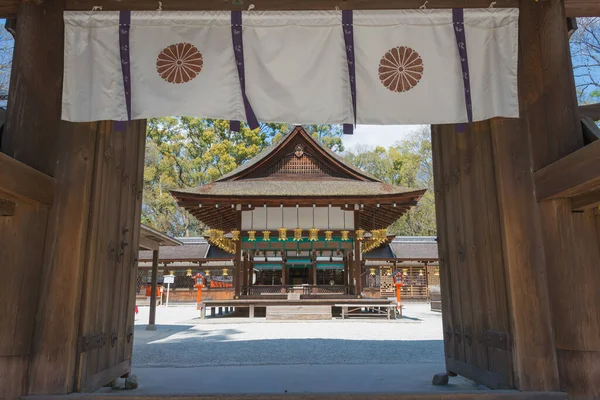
[408,70]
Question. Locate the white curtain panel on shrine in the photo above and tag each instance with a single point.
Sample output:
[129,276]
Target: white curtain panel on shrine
[182,63]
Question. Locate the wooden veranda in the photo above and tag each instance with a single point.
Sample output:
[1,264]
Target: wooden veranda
[519,196]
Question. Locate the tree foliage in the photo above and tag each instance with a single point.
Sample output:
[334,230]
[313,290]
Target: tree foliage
[408,163]
[185,152]
[585,51]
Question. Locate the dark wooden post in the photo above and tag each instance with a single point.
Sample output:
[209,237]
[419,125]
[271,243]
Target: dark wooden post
[153,285]
[238,264]
[572,254]
[346,268]
[357,261]
[283,274]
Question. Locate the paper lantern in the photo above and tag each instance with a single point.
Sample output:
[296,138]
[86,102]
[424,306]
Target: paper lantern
[328,236]
[252,236]
[282,234]
[313,234]
[298,234]
[344,235]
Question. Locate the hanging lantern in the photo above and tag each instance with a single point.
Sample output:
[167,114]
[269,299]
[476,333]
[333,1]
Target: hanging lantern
[207,272]
[212,234]
[219,234]
[298,234]
[172,273]
[328,236]
[282,234]
[313,234]
[188,272]
[225,272]
[420,271]
[235,235]
[266,236]
[344,235]
[372,271]
[360,234]
[405,271]
[252,236]
[436,271]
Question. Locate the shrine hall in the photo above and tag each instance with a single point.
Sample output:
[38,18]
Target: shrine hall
[297,218]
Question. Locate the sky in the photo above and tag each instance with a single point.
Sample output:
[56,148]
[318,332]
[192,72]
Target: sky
[378,135]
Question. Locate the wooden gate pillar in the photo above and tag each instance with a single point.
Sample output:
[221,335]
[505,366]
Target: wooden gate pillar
[571,240]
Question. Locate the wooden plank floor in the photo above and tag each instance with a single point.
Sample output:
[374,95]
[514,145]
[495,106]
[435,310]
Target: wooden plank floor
[299,313]
[491,395]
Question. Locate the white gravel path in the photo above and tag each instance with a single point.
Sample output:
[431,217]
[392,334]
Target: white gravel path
[183,340]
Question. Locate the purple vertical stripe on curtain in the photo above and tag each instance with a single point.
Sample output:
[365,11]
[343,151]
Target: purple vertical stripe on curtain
[124,26]
[458,20]
[348,29]
[238,51]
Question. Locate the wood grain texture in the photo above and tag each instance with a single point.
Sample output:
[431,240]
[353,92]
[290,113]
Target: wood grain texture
[33,117]
[13,376]
[580,373]
[7,208]
[56,333]
[469,239]
[19,181]
[570,175]
[531,326]
[590,111]
[586,201]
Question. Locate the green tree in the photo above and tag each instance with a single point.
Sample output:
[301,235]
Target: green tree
[185,152]
[408,163]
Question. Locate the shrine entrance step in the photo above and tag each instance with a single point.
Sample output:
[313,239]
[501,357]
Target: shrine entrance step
[299,313]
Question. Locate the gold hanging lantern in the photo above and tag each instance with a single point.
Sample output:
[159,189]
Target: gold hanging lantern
[360,234]
[212,234]
[235,235]
[266,236]
[420,271]
[328,236]
[207,272]
[172,273]
[372,271]
[282,234]
[344,235]
[313,234]
[219,234]
[225,271]
[404,271]
[188,272]
[252,236]
[436,271]
[298,234]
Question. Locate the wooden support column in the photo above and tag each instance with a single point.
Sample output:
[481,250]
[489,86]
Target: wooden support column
[570,239]
[346,269]
[357,261]
[283,274]
[314,272]
[238,264]
[153,285]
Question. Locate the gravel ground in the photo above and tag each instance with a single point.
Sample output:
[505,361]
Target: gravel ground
[183,340]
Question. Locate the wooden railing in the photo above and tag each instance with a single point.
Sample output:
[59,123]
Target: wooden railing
[261,290]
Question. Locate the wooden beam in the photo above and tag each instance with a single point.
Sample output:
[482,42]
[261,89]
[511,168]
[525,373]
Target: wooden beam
[586,200]
[147,244]
[24,183]
[590,110]
[574,8]
[571,175]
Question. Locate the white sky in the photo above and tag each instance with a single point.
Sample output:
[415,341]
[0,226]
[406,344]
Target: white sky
[378,135]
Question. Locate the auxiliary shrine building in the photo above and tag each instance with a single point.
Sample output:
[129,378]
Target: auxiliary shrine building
[296,218]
